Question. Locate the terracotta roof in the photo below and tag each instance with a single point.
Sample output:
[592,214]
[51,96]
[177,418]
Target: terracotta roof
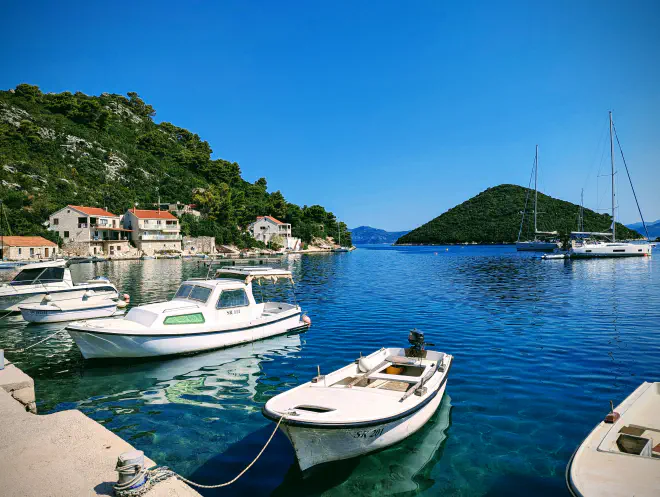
[148,214]
[271,218]
[27,241]
[92,211]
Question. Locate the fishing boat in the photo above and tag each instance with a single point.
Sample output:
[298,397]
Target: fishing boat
[592,244]
[72,310]
[34,281]
[366,406]
[557,255]
[540,243]
[621,456]
[204,314]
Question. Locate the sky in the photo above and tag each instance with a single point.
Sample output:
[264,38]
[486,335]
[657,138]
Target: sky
[386,113]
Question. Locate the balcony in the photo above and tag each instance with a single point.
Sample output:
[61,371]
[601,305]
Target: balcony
[160,237]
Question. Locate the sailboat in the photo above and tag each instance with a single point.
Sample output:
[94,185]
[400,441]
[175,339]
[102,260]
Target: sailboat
[587,244]
[536,244]
[340,248]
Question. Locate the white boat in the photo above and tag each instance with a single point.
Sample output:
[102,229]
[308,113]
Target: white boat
[621,456]
[554,256]
[537,244]
[11,264]
[34,281]
[366,406]
[204,314]
[340,248]
[590,244]
[70,310]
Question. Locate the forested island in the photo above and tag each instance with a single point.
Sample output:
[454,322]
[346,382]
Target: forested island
[494,216]
[107,150]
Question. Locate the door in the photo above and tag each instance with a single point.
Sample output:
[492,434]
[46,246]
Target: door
[46,252]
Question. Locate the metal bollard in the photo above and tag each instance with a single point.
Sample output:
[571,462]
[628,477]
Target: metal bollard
[130,467]
[2,359]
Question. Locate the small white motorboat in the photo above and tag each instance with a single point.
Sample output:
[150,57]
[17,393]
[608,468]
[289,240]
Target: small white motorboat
[621,456]
[205,314]
[555,256]
[367,406]
[86,307]
[34,281]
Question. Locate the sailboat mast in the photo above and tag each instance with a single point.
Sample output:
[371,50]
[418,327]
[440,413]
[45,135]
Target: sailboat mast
[581,223]
[536,192]
[613,193]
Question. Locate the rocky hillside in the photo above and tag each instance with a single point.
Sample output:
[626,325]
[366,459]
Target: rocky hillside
[494,216]
[107,150]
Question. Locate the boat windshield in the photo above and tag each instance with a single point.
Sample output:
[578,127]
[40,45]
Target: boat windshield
[38,275]
[193,292]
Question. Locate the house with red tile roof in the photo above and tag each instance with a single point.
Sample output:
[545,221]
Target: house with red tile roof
[90,231]
[153,231]
[24,248]
[267,227]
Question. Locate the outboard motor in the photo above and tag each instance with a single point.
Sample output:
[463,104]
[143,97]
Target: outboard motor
[417,344]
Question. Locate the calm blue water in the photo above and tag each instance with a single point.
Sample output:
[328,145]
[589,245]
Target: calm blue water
[540,348]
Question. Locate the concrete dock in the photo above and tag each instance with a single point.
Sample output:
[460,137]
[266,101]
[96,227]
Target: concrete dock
[60,454]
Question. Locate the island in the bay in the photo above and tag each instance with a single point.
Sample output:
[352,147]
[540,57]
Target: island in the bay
[494,216]
[107,151]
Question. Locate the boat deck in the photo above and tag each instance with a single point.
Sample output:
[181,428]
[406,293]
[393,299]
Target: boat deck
[622,458]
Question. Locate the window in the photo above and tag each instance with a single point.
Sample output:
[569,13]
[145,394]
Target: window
[26,277]
[619,250]
[20,251]
[183,292]
[193,292]
[66,234]
[232,298]
[56,221]
[31,252]
[200,293]
[52,274]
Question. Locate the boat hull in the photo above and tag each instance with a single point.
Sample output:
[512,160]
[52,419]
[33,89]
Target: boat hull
[12,301]
[52,314]
[612,250]
[320,445]
[113,345]
[536,246]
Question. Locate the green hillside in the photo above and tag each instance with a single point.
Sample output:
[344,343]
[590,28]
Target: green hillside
[107,151]
[494,216]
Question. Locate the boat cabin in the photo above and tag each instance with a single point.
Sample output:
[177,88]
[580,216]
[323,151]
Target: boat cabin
[41,273]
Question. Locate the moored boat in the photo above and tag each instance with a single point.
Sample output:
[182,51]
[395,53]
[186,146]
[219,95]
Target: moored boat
[366,406]
[71,310]
[621,456]
[34,281]
[204,314]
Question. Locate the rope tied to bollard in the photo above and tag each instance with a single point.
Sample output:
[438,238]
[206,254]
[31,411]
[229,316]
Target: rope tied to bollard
[140,480]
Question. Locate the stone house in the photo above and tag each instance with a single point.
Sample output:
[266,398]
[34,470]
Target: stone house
[25,248]
[90,231]
[153,231]
[267,227]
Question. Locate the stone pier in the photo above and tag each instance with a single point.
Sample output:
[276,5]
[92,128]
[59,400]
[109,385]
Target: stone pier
[60,454]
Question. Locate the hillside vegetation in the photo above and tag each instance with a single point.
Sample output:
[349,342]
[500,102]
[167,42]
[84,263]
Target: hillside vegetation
[494,216]
[107,151]
[367,234]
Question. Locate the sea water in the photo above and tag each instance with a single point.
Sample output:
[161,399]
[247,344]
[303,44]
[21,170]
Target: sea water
[540,348]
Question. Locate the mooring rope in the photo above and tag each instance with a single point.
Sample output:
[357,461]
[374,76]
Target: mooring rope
[153,476]
[35,344]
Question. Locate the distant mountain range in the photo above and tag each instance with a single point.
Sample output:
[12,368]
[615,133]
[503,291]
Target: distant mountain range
[652,227]
[494,216]
[367,234]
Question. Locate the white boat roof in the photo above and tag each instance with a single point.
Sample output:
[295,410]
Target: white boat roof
[601,467]
[42,265]
[225,283]
[250,273]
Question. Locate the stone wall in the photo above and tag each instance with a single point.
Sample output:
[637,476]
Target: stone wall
[198,245]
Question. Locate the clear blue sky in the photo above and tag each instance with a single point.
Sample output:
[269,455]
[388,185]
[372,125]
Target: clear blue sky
[386,113]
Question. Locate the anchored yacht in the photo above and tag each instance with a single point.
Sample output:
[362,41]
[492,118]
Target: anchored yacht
[204,314]
[544,241]
[590,244]
[51,280]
